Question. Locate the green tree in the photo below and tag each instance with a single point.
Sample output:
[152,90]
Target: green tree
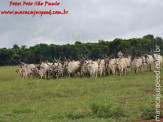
[15,47]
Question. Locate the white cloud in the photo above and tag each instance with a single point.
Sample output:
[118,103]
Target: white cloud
[105,18]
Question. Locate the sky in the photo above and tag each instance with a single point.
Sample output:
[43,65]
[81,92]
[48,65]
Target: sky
[87,21]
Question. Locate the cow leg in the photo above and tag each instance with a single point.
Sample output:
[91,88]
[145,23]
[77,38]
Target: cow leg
[23,76]
[141,69]
[46,75]
[130,69]
[120,72]
[96,74]
[104,73]
[135,70]
[126,72]
[28,76]
[113,73]
[107,73]
[147,67]
[150,68]
[54,75]
[92,75]
[73,75]
[114,70]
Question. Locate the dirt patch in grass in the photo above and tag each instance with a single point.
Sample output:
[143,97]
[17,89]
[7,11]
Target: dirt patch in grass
[149,90]
[161,104]
[108,87]
[152,120]
[121,101]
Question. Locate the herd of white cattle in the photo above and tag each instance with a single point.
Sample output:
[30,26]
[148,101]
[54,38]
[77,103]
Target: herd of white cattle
[90,68]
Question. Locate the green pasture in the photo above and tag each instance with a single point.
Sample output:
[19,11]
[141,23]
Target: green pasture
[105,99]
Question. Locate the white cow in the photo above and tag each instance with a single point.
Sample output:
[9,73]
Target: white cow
[48,63]
[73,67]
[92,67]
[147,61]
[138,64]
[84,69]
[59,69]
[122,64]
[128,59]
[113,66]
[28,67]
[44,67]
[23,73]
[101,67]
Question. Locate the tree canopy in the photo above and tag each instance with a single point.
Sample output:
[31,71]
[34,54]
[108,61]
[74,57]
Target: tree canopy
[133,46]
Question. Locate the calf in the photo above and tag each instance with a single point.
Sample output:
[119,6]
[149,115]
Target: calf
[23,73]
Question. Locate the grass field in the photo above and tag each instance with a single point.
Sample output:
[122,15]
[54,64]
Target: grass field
[110,99]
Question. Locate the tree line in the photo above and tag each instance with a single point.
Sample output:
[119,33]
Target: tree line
[34,54]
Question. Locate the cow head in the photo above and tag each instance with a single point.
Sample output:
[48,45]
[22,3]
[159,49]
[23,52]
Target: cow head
[21,63]
[51,69]
[144,59]
[17,71]
[23,70]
